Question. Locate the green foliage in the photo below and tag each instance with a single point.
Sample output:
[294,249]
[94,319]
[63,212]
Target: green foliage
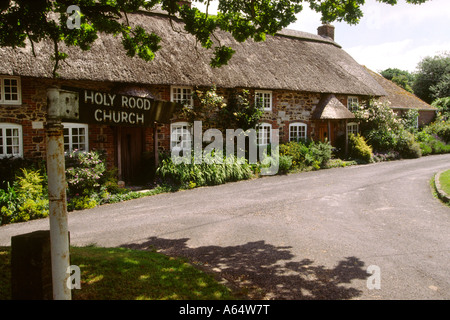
[34,20]
[378,116]
[319,154]
[296,151]
[382,140]
[84,171]
[441,129]
[305,154]
[207,173]
[402,78]
[240,112]
[285,163]
[443,106]
[433,78]
[410,120]
[26,199]
[407,146]
[359,149]
[386,132]
[81,203]
[12,166]
[430,143]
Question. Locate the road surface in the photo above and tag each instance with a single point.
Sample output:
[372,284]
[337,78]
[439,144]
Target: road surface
[362,232]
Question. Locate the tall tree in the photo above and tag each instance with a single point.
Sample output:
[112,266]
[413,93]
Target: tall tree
[402,78]
[433,78]
[60,21]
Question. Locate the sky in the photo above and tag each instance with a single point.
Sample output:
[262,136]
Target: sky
[388,36]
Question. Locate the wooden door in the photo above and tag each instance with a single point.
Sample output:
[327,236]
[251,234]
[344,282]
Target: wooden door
[130,150]
[322,131]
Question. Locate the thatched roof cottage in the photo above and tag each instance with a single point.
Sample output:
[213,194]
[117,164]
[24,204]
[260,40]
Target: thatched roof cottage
[307,83]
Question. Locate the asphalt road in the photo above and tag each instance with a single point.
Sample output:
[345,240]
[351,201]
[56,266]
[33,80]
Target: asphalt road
[362,232]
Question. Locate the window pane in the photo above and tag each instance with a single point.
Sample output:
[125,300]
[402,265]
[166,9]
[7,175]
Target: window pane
[75,138]
[11,90]
[180,136]
[182,95]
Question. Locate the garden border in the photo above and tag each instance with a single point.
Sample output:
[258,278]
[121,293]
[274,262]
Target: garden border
[441,193]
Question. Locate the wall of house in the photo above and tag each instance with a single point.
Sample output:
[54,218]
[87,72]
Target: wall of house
[426,117]
[287,107]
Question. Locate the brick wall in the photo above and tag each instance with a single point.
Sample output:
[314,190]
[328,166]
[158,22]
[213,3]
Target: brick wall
[287,107]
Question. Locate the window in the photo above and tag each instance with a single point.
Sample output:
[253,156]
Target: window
[10,140]
[264,99]
[297,131]
[10,90]
[180,136]
[182,95]
[75,137]
[352,103]
[264,134]
[352,127]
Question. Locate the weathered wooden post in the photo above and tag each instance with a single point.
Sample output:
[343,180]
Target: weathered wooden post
[58,103]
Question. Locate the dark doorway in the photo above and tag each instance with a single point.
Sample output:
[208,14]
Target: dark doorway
[130,144]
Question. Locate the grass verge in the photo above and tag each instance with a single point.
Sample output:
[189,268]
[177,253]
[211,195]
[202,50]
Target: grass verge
[125,274]
[444,180]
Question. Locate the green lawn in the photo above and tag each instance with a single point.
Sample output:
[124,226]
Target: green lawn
[444,180]
[124,274]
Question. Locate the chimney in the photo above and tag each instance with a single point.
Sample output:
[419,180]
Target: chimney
[326,31]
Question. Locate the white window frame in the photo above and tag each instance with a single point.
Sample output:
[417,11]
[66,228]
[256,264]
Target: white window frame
[351,128]
[187,98]
[298,125]
[262,134]
[2,91]
[4,140]
[266,97]
[352,103]
[70,126]
[174,136]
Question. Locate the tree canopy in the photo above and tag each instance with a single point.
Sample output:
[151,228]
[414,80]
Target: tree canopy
[402,78]
[433,78]
[78,22]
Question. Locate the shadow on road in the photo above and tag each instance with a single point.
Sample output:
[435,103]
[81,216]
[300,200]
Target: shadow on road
[263,271]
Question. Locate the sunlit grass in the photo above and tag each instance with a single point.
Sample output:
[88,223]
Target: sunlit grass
[444,180]
[125,274]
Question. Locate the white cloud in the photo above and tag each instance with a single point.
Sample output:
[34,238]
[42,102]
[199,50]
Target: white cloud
[405,54]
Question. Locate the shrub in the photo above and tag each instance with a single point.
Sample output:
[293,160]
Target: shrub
[431,143]
[188,175]
[26,199]
[83,172]
[407,145]
[385,156]
[81,203]
[426,149]
[381,140]
[440,129]
[296,150]
[319,154]
[285,163]
[359,149]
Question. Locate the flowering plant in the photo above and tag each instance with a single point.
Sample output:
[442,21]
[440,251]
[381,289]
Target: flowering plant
[84,171]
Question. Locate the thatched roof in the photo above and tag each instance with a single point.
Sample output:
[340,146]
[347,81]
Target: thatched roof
[330,108]
[398,97]
[292,60]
